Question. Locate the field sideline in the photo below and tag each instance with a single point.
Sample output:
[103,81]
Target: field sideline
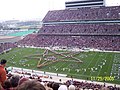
[96,66]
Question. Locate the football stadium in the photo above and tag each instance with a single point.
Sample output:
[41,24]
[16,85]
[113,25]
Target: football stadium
[76,43]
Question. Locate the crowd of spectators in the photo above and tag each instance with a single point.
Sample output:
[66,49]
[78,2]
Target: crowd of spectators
[87,13]
[6,46]
[98,42]
[16,82]
[103,36]
[81,28]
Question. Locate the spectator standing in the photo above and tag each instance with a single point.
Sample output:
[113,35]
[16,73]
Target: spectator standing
[3,76]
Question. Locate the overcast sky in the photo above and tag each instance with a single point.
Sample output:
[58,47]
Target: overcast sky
[32,9]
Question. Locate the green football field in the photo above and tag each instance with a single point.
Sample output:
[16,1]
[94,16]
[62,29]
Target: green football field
[95,66]
[22,33]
